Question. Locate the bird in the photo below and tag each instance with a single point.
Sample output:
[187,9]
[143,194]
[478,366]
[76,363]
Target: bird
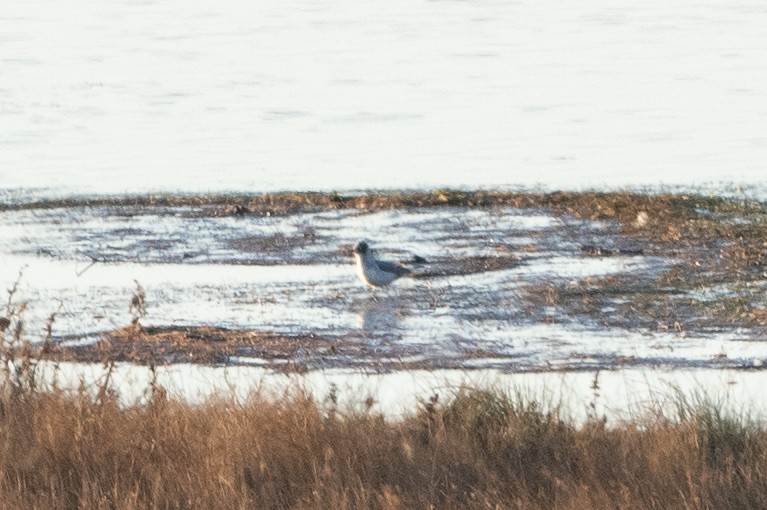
[376,273]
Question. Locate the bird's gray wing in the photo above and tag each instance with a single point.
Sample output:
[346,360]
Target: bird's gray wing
[391,267]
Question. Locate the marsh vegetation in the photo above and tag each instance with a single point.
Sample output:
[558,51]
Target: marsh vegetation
[476,448]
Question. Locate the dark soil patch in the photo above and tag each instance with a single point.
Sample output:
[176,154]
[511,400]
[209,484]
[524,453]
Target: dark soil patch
[468,266]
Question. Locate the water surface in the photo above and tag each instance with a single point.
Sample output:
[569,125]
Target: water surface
[124,96]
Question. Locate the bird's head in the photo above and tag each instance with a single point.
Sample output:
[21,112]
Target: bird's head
[361,248]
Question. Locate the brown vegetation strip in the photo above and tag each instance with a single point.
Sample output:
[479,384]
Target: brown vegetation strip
[623,206]
[201,344]
[477,450]
[217,346]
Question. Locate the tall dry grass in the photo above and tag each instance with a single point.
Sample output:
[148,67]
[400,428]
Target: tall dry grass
[482,449]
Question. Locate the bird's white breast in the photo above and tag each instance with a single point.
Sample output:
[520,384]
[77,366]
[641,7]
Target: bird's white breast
[370,273]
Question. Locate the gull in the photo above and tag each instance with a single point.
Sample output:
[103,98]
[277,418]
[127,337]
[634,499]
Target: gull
[376,273]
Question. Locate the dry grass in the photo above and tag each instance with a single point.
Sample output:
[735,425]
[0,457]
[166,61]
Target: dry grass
[483,449]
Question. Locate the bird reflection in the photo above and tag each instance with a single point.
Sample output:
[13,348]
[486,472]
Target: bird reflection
[378,316]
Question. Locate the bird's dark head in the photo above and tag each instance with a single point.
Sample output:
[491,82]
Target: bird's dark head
[361,248]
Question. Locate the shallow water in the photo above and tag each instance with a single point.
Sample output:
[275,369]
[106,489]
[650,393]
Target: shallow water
[124,96]
[293,275]
[578,396]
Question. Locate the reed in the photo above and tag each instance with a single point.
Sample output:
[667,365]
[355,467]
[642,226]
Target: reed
[479,449]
